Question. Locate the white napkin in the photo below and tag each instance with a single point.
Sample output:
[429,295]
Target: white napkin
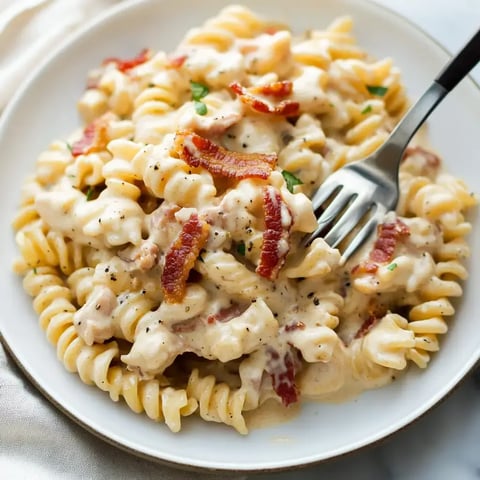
[37,442]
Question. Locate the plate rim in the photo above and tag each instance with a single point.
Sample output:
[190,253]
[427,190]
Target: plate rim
[380,436]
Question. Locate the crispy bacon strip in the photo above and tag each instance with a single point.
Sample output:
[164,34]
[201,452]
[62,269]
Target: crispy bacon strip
[285,107]
[199,151]
[275,246]
[375,313]
[181,257]
[177,62]
[282,372]
[128,64]
[94,139]
[274,89]
[364,267]
[388,235]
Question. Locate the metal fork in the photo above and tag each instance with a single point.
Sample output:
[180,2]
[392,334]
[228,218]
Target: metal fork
[369,187]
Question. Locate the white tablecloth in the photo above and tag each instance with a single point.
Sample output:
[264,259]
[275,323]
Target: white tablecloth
[36,441]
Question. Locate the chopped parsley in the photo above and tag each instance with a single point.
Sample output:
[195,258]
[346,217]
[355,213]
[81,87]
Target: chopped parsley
[89,193]
[35,270]
[291,180]
[69,147]
[200,107]
[377,90]
[198,92]
[392,267]
[241,249]
[367,109]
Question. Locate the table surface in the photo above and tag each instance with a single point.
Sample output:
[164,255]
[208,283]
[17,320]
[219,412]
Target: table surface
[443,444]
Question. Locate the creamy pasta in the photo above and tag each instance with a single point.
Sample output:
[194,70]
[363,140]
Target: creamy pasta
[162,241]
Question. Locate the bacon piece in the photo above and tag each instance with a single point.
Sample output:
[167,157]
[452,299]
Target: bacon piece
[291,327]
[285,107]
[199,151]
[365,267]
[388,235]
[226,314]
[163,216]
[421,162]
[431,160]
[282,371]
[126,65]
[146,257]
[181,257]
[274,89]
[94,139]
[177,62]
[275,246]
[223,315]
[186,326]
[375,313]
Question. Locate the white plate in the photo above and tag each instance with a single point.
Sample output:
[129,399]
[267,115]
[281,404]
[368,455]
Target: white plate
[45,109]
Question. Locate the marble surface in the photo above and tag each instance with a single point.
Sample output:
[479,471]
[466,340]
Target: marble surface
[443,444]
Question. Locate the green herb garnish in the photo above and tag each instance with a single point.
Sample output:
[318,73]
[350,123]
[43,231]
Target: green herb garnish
[89,193]
[377,90]
[35,270]
[241,249]
[198,90]
[200,107]
[291,180]
[367,109]
[392,267]
[69,147]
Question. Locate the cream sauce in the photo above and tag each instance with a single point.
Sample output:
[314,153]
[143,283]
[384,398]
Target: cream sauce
[271,413]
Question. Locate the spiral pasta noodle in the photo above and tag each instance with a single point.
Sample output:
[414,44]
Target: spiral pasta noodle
[95,364]
[49,249]
[222,31]
[216,401]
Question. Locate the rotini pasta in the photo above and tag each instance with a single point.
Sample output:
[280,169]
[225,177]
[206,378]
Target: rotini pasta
[162,242]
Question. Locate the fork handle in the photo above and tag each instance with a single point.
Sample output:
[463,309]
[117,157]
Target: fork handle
[446,80]
[461,64]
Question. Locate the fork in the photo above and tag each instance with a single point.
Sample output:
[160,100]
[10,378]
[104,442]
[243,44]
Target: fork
[369,187]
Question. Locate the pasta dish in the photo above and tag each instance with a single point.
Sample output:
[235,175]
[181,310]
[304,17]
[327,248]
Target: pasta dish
[162,241]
